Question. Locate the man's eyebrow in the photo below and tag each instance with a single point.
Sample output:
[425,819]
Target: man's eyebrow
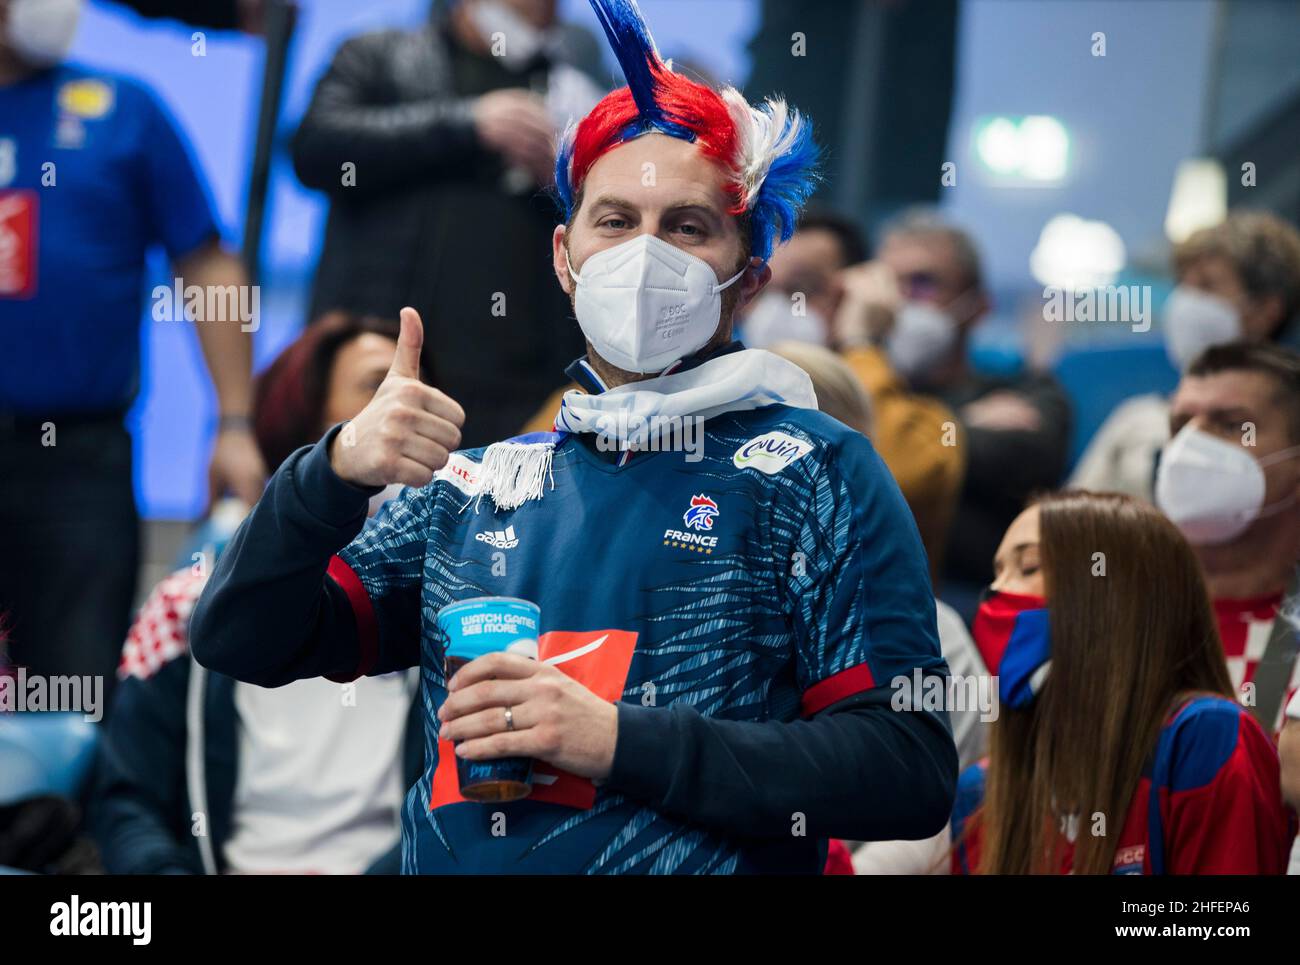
[700,206]
[613,201]
[677,207]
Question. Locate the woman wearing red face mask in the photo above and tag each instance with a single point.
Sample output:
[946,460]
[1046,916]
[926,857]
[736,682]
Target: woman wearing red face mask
[1118,747]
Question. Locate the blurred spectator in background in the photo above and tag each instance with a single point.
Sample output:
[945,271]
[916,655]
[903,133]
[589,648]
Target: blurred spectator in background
[920,300]
[839,393]
[801,299]
[303,778]
[809,274]
[1289,751]
[1230,479]
[1239,280]
[435,147]
[1118,746]
[92,174]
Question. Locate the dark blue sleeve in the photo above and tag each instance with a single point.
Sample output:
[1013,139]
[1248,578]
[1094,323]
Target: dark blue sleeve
[281,606]
[138,812]
[859,770]
[172,192]
[867,765]
[858,584]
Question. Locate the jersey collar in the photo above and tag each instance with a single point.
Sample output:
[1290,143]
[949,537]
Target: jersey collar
[582,372]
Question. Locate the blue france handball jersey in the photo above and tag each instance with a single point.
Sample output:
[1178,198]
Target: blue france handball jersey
[775,576]
[92,174]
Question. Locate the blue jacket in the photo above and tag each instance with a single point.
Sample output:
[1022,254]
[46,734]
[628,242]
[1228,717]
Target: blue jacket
[750,613]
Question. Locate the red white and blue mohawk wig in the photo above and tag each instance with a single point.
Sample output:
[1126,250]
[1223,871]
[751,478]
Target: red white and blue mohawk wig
[768,150]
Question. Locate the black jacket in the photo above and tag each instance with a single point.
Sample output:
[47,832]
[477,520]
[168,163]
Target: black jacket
[419,216]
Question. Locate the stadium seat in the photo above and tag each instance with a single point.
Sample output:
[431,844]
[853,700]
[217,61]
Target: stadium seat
[1099,379]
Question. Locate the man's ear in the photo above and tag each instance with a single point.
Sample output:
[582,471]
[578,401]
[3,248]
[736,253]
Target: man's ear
[560,259]
[754,280]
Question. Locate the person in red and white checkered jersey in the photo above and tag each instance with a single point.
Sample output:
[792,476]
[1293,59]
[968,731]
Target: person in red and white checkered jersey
[1230,479]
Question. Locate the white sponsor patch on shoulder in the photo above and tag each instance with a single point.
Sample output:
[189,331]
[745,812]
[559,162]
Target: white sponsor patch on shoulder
[462,472]
[770,453]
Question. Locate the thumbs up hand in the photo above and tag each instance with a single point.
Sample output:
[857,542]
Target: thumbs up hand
[407,431]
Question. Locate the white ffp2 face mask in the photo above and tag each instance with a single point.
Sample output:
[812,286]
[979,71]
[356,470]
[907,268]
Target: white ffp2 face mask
[922,335]
[645,304]
[512,38]
[1213,489]
[1195,320]
[775,318]
[41,31]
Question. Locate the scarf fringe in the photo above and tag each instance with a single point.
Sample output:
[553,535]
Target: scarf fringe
[512,473]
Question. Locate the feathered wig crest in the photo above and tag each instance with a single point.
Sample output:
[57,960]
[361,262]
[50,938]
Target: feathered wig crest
[768,149]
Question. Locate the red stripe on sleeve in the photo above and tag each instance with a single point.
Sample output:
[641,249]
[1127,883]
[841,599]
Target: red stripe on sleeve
[364,614]
[835,688]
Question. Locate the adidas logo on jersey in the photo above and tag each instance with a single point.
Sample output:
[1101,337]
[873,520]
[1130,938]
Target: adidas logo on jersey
[501,539]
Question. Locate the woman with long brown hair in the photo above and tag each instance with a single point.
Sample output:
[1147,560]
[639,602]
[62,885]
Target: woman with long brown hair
[1118,746]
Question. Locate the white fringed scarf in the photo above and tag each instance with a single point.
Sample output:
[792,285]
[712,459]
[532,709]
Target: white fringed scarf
[514,472]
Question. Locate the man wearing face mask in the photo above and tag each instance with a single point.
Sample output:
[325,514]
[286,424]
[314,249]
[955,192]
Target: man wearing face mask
[801,303]
[1229,478]
[919,302]
[1236,281]
[730,633]
[93,174]
[798,305]
[435,147]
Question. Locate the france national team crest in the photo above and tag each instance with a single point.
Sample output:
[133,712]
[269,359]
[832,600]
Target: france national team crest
[701,514]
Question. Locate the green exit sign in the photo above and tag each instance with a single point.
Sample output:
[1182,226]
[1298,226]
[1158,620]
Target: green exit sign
[1032,149]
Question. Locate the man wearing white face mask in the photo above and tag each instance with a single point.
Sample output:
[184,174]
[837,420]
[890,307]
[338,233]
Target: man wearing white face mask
[730,632]
[1230,479]
[1238,280]
[800,301]
[804,294]
[450,130]
[919,302]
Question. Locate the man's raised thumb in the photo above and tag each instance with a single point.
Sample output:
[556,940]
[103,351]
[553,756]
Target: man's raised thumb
[406,362]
